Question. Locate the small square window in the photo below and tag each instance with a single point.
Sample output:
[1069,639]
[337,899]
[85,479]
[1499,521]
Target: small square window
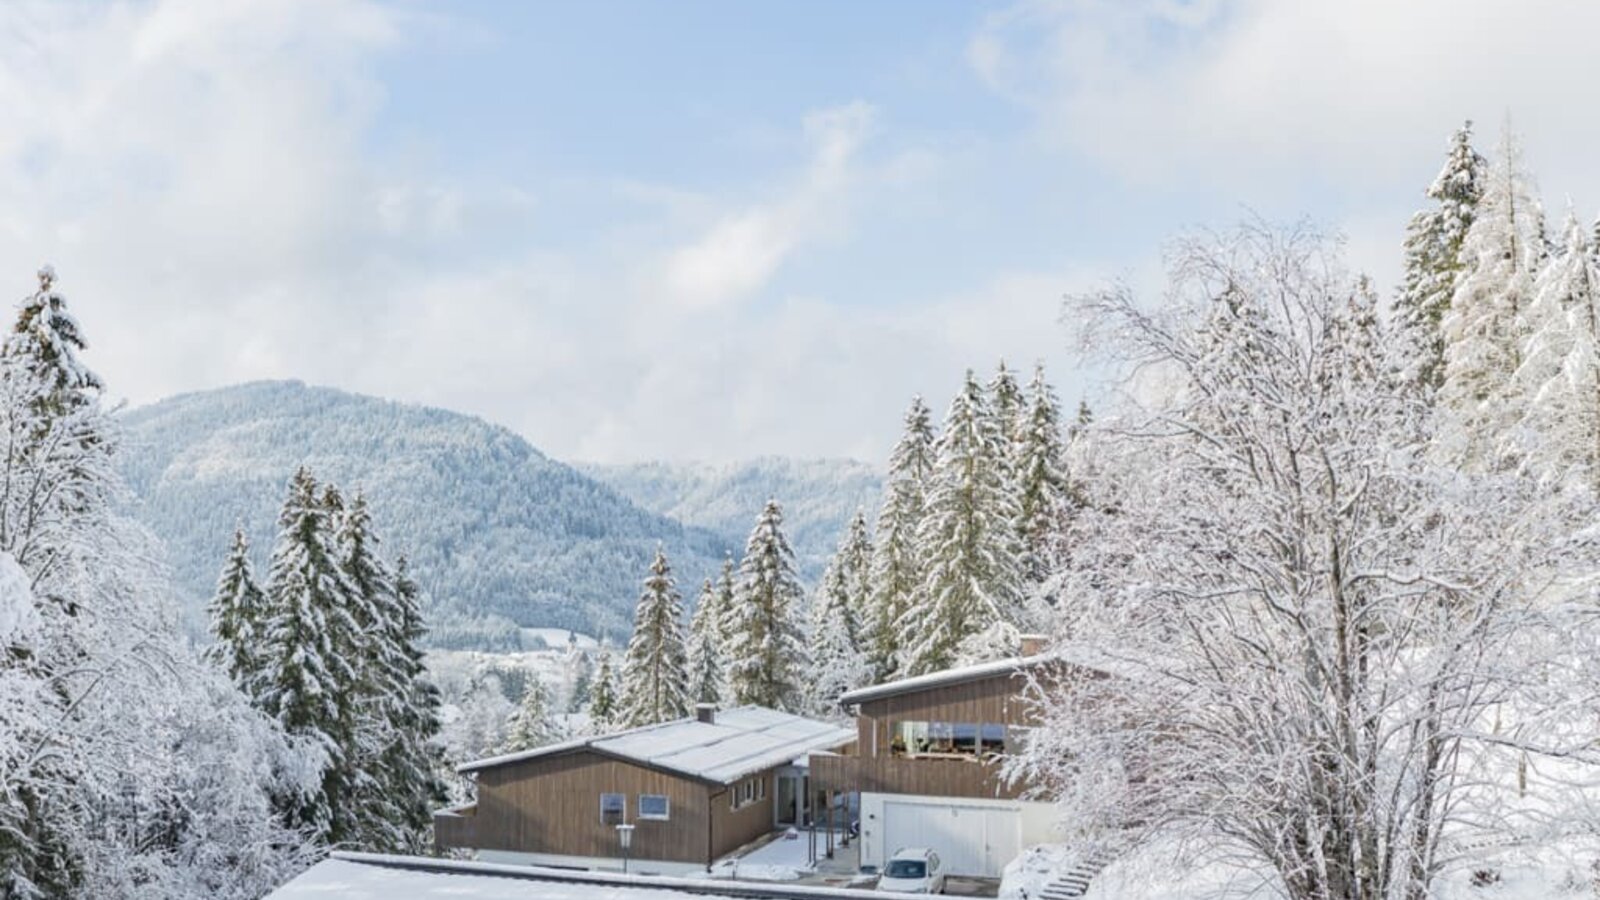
[654,806]
[613,809]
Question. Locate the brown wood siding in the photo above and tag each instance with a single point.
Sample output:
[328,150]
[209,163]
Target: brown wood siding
[997,698]
[933,777]
[552,805]
[733,828]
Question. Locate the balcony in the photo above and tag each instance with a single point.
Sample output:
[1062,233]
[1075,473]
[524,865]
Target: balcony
[456,828]
[934,777]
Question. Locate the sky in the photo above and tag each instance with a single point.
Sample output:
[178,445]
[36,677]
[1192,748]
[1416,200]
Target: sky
[714,230]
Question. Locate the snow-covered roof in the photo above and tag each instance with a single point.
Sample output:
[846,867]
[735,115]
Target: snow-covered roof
[369,876]
[944,677]
[741,742]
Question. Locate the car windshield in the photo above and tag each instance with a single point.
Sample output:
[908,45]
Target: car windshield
[907,868]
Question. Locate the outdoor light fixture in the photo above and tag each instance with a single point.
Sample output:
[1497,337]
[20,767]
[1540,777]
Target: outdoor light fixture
[625,835]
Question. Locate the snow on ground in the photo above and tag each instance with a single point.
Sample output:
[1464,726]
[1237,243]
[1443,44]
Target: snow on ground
[780,859]
[1161,872]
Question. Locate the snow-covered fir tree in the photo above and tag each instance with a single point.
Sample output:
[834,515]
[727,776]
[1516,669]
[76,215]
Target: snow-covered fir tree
[706,683]
[655,670]
[838,658]
[531,726]
[1485,326]
[1041,477]
[1434,264]
[312,681]
[1558,440]
[604,710]
[970,603]
[895,571]
[412,763]
[47,339]
[236,616]
[1009,408]
[766,647]
[127,768]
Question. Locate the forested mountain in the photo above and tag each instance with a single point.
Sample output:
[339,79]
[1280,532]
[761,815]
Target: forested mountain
[818,496]
[496,532]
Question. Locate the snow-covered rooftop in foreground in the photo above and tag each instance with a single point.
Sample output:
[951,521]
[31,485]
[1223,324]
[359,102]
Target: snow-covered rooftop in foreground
[740,742]
[364,876]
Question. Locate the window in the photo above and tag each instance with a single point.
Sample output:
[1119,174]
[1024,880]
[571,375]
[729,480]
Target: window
[654,806]
[907,868]
[747,792]
[613,809]
[994,738]
[947,740]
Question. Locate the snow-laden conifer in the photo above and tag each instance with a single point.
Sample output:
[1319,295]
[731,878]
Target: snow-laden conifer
[1486,325]
[312,651]
[531,726]
[236,613]
[969,605]
[706,683]
[1558,439]
[767,656]
[1009,408]
[604,709]
[838,658]
[655,674]
[895,571]
[46,340]
[1434,264]
[1041,477]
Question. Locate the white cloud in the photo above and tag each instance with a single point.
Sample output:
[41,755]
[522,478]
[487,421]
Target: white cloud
[201,175]
[1259,92]
[743,249]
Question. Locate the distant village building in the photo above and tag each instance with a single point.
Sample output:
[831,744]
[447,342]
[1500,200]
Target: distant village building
[693,789]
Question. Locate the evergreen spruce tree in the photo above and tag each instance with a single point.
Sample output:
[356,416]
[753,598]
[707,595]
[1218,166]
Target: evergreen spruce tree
[766,646]
[655,675]
[1010,411]
[236,614]
[1558,440]
[1041,477]
[1434,264]
[46,340]
[838,658]
[603,706]
[531,726]
[1486,324]
[312,643]
[970,604]
[895,572]
[706,684]
[412,762]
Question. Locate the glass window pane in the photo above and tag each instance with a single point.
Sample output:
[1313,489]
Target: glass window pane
[653,806]
[613,809]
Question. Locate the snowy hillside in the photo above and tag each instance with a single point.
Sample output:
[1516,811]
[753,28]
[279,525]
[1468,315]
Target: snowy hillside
[818,497]
[493,527]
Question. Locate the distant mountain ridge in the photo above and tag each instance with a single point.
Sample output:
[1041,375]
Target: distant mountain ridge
[499,534]
[818,495]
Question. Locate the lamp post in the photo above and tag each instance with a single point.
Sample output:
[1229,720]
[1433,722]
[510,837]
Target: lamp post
[625,835]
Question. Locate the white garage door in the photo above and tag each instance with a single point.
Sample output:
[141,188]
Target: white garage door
[971,840]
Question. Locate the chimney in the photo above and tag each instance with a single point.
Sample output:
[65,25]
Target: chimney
[1033,644]
[706,712]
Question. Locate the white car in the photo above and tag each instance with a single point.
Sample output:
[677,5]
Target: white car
[913,870]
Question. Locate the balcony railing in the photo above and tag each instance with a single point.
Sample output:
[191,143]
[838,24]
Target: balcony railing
[912,775]
[456,828]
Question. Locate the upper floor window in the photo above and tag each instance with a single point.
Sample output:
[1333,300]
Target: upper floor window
[948,740]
